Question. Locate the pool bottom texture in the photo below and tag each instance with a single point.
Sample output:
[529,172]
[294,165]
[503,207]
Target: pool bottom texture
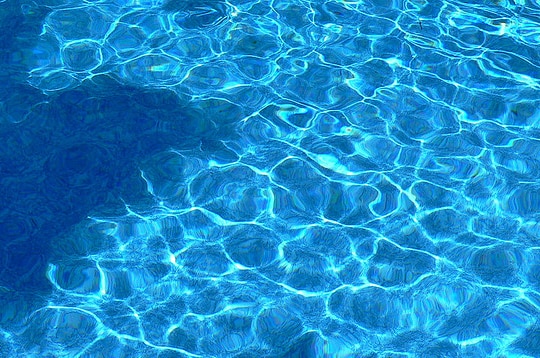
[269,179]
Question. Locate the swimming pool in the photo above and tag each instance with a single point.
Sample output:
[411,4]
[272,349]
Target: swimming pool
[270,178]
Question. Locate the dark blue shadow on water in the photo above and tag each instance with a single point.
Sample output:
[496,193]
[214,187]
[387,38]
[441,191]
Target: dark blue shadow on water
[77,153]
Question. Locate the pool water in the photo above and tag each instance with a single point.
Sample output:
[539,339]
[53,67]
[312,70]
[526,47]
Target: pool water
[278,178]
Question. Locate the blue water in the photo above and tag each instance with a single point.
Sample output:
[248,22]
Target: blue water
[273,178]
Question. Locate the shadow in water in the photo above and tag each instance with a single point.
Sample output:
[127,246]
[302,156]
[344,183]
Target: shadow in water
[76,154]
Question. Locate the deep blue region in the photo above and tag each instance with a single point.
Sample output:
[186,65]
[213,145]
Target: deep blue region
[74,153]
[13,27]
[77,152]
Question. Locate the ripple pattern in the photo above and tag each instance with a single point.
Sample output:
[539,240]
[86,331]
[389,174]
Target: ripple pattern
[319,179]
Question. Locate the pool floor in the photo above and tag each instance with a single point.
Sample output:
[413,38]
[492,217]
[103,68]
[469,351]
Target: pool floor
[274,178]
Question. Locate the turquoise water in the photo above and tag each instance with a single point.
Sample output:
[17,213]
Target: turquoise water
[269,178]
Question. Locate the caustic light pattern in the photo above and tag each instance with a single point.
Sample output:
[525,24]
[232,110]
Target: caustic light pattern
[272,179]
